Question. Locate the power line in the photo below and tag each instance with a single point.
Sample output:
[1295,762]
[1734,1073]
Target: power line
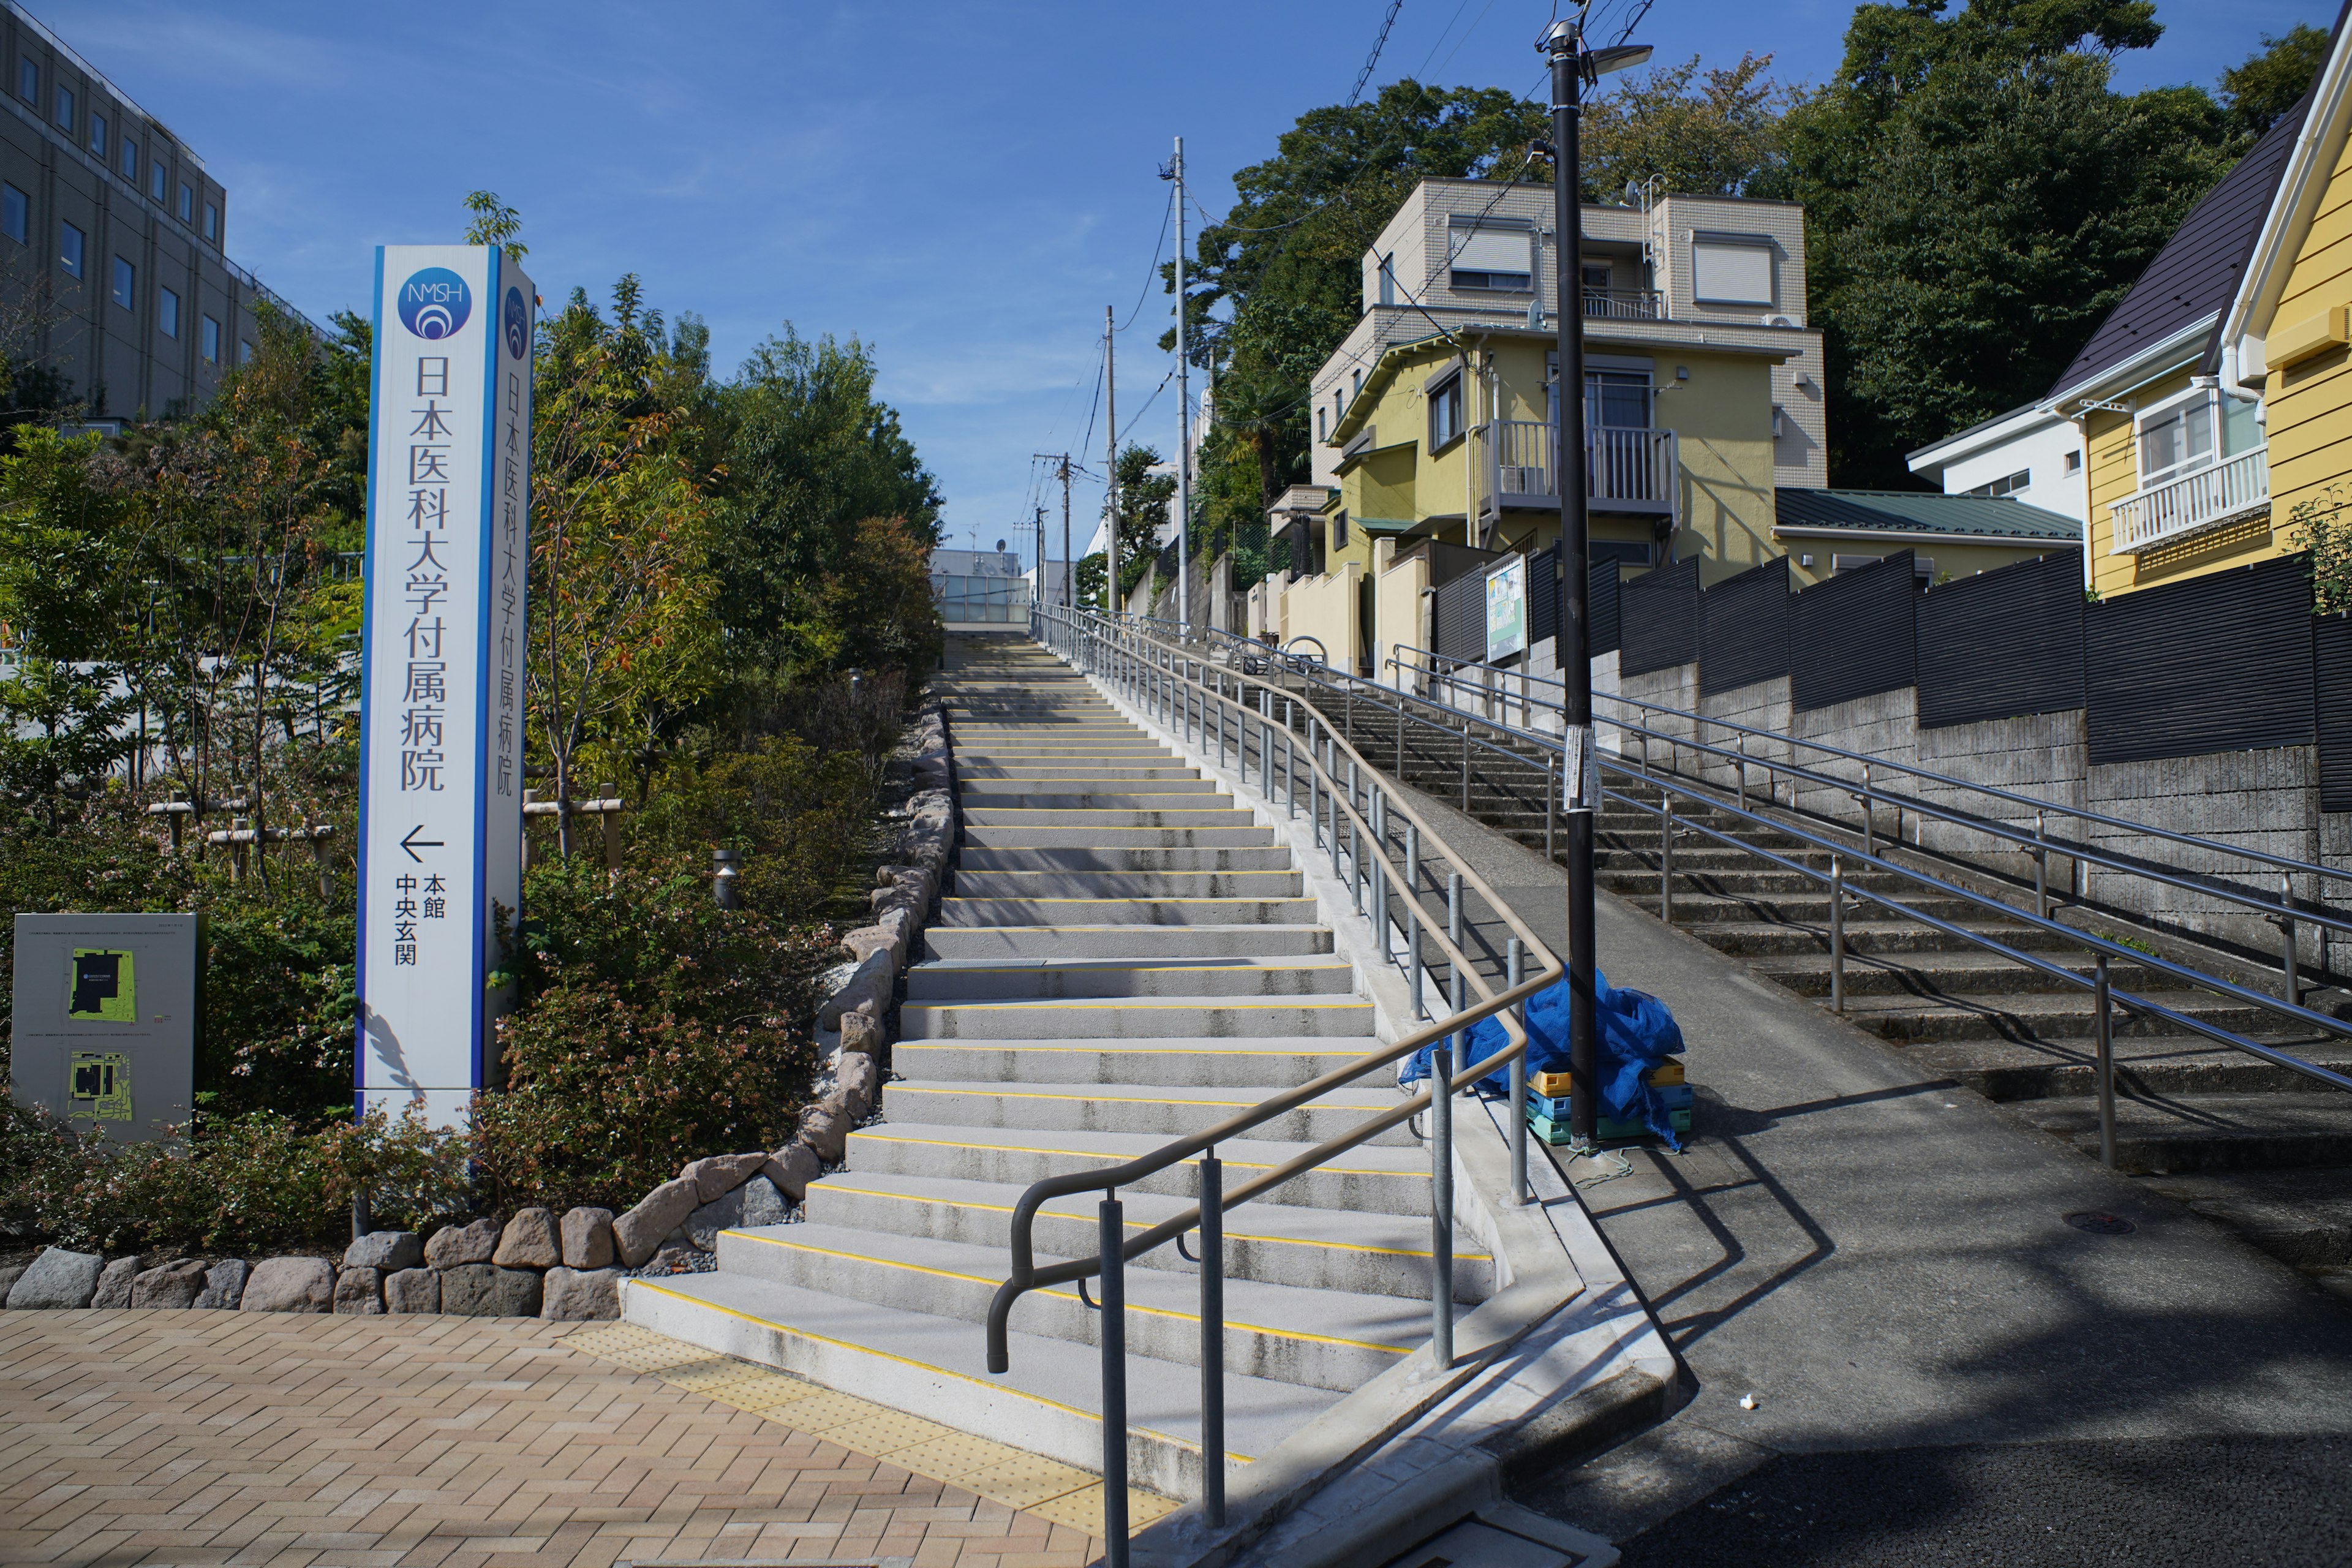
[1378,44]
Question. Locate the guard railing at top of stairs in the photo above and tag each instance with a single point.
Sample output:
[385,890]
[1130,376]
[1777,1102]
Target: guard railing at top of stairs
[1638,726]
[1380,848]
[1489,697]
[1404,709]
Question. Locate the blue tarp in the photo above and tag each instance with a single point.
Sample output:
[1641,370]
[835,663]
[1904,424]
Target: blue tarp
[1636,1032]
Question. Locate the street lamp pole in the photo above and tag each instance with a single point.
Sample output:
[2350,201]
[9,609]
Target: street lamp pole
[1572,64]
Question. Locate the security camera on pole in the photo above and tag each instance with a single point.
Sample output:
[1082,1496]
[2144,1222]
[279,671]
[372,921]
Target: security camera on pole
[1573,66]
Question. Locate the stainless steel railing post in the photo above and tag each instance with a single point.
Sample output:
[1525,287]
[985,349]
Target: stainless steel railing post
[1869,816]
[2104,1039]
[1441,1203]
[2291,981]
[1412,954]
[1667,860]
[1513,963]
[1465,767]
[1111,1232]
[1379,863]
[1743,773]
[2041,866]
[1837,933]
[1213,1339]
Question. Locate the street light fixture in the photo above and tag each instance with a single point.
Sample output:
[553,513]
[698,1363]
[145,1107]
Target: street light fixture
[1572,66]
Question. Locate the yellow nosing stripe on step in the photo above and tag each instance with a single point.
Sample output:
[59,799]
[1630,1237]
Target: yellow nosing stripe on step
[910,1443]
[839,1185]
[1206,1004]
[789,1244]
[883,1137]
[904,1088]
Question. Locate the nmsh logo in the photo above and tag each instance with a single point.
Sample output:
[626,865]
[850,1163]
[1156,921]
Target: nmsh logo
[434,303]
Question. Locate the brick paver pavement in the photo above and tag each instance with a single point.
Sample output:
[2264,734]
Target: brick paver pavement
[186,1437]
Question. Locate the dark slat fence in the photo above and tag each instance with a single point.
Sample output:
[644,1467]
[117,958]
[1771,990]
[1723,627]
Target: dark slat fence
[1659,625]
[2331,638]
[1853,635]
[2004,644]
[2219,663]
[1605,596]
[1743,629]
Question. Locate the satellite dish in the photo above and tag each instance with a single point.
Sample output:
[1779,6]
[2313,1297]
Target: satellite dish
[1000,547]
[1632,193]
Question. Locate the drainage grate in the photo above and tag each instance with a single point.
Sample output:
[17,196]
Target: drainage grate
[2099,1224]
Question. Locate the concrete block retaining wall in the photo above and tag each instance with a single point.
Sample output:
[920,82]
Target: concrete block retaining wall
[2262,800]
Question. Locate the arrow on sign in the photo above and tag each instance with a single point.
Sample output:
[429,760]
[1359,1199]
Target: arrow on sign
[413,844]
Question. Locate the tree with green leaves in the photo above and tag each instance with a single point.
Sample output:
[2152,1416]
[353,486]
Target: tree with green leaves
[1978,198]
[811,456]
[2266,85]
[1286,261]
[1713,132]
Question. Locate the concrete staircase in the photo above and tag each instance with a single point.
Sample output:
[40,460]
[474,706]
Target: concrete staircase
[2252,1145]
[1124,955]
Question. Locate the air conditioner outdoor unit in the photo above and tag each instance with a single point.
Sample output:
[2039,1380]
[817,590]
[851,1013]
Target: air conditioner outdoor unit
[1519,481]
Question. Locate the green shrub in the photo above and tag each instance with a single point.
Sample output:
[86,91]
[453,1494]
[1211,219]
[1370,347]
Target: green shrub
[247,1184]
[656,1028]
[801,816]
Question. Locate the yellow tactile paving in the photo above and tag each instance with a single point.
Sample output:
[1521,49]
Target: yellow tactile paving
[1027,1482]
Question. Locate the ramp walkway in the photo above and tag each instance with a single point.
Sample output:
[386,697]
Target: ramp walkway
[1129,952]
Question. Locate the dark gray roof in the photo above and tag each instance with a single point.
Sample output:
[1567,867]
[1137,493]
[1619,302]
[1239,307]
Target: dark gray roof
[1924,512]
[2197,271]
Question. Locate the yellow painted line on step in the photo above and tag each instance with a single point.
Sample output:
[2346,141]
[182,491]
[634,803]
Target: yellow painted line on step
[1207,1004]
[991,1282]
[1154,1047]
[1108,1099]
[881,1137]
[1079,1216]
[600,1342]
[992,898]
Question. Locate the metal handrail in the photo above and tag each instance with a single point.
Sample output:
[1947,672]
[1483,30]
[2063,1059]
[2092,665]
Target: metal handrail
[1867,796]
[1169,682]
[2036,803]
[2105,949]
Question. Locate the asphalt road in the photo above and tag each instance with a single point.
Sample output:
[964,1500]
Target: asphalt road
[2279,1501]
[1932,1359]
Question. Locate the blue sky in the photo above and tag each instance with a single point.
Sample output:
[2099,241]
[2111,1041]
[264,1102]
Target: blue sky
[963,186]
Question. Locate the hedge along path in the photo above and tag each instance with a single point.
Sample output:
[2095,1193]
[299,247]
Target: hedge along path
[1027,1482]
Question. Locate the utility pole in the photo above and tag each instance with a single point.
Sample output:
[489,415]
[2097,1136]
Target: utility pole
[1067,589]
[1041,556]
[1111,465]
[1570,63]
[1183,416]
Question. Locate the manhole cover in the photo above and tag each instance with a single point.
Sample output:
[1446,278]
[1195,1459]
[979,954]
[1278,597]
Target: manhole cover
[2099,1224]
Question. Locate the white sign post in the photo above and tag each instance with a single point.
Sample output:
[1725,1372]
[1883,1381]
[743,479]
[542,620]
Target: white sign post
[448,551]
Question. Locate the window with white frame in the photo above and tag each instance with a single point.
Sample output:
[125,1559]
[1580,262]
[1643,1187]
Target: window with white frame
[1491,255]
[2007,485]
[1445,412]
[2175,438]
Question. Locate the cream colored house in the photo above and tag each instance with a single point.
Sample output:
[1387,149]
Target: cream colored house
[1434,420]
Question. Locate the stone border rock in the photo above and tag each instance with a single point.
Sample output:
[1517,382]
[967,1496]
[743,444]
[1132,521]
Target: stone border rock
[569,1269]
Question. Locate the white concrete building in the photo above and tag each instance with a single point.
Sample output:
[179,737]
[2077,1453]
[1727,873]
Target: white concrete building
[2028,454]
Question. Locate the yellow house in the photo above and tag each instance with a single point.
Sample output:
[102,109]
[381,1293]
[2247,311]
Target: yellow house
[1435,420]
[2183,429]
[2285,340]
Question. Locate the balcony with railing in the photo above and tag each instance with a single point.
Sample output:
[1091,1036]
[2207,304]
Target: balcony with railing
[2236,487]
[1624,305]
[1624,470]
